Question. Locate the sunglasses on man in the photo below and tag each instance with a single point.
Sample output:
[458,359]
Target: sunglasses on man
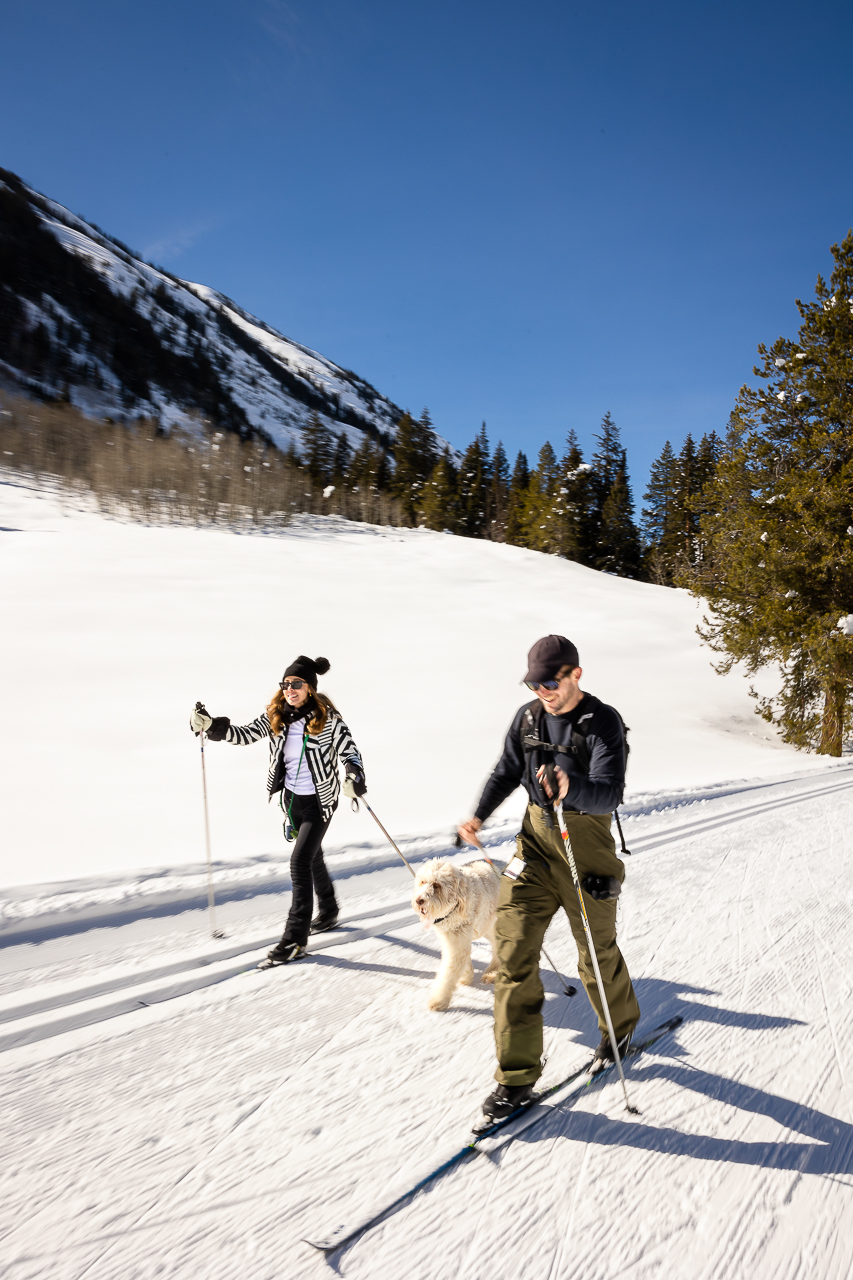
[536,685]
[291,684]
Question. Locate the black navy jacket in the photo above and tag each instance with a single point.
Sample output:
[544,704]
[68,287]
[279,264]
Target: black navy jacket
[599,791]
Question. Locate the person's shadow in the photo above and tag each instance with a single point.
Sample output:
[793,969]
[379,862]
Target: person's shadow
[828,1148]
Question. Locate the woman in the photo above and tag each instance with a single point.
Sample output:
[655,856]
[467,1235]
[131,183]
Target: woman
[307,739]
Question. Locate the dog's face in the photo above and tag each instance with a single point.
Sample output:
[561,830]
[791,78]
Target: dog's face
[435,891]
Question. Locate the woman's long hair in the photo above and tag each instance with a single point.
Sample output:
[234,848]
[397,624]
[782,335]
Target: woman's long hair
[317,723]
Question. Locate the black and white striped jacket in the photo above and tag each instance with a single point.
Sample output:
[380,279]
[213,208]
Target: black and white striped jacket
[322,753]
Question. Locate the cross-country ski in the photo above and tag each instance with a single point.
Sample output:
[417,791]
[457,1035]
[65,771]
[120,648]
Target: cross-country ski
[535,1110]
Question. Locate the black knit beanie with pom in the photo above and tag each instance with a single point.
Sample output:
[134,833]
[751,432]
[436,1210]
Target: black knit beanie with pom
[306,669]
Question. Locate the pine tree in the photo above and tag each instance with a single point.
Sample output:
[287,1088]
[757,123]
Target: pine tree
[439,509]
[342,461]
[707,458]
[605,463]
[623,555]
[499,495]
[415,455]
[543,514]
[675,503]
[778,526]
[575,492]
[369,471]
[473,487]
[515,530]
[616,540]
[319,450]
[660,516]
[687,487]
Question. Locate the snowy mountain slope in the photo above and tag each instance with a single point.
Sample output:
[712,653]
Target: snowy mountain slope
[234,1118]
[113,631]
[171,348]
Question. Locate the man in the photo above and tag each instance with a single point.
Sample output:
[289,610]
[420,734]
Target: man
[588,776]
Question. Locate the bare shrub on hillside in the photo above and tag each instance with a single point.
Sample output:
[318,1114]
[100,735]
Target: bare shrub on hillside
[200,477]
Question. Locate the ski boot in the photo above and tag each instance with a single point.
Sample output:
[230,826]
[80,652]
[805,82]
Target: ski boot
[502,1102]
[281,954]
[324,921]
[604,1054]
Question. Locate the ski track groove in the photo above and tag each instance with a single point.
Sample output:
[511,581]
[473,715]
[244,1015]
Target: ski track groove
[830,1024]
[203,1160]
[756,932]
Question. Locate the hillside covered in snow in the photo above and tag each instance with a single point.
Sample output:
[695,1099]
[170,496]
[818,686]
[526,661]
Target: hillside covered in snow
[426,633]
[172,1112]
[83,317]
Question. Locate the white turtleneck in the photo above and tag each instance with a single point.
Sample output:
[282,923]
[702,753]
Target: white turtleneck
[301,783]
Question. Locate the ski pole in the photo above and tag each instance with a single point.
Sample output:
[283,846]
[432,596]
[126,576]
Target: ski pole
[211,904]
[570,858]
[363,800]
[567,990]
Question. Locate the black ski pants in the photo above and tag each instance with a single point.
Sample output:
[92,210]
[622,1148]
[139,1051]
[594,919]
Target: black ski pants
[308,871]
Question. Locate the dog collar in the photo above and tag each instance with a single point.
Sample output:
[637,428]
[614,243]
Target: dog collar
[450,913]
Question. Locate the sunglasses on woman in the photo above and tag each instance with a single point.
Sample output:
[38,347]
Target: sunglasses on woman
[291,684]
[536,685]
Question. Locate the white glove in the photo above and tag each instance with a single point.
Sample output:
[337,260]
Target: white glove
[200,721]
[354,787]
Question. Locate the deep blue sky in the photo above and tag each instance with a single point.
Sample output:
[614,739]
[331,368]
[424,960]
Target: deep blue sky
[528,214]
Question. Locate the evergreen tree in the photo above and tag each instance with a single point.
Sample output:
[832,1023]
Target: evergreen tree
[605,463]
[499,495]
[319,450]
[383,471]
[688,484]
[609,468]
[778,561]
[415,454]
[439,509]
[575,492]
[675,502]
[660,519]
[516,497]
[474,486]
[342,461]
[369,470]
[623,555]
[543,514]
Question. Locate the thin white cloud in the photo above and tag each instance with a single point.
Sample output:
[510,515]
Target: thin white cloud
[280,21]
[172,245]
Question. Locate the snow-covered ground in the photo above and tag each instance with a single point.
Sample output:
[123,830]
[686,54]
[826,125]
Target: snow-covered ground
[112,632]
[169,1112]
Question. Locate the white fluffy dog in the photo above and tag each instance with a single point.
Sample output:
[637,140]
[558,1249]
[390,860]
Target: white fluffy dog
[460,903]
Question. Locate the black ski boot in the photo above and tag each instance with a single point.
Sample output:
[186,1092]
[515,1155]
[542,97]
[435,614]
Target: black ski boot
[502,1102]
[604,1053]
[282,953]
[325,920]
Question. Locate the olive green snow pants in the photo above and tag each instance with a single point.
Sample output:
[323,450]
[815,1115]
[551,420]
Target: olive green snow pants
[525,909]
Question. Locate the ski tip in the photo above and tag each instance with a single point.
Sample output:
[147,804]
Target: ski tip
[329,1244]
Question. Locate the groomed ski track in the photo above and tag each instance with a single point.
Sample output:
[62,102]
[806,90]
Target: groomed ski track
[221,1118]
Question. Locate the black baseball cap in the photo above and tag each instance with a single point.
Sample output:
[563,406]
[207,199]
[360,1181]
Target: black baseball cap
[547,656]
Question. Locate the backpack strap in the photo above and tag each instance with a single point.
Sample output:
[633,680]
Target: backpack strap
[531,741]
